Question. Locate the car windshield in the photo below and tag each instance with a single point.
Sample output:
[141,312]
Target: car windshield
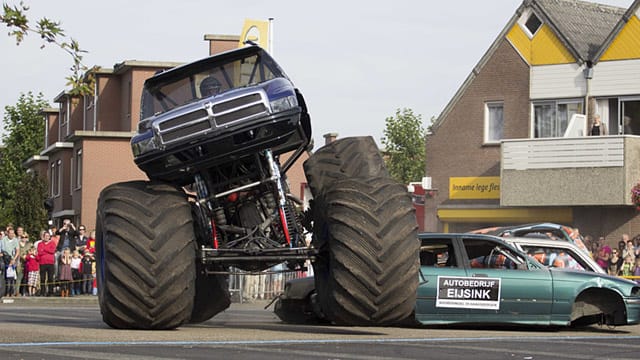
[206,78]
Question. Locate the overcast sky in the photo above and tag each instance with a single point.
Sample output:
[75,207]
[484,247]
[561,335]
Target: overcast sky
[354,62]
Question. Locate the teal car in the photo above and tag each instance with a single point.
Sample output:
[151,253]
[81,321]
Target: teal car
[481,279]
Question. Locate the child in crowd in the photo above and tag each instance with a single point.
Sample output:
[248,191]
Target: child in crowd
[76,286]
[627,266]
[11,276]
[636,271]
[65,276]
[87,272]
[32,268]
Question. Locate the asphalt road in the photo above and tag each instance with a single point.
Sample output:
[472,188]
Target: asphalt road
[54,328]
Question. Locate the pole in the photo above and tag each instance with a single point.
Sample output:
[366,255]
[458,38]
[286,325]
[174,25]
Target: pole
[270,47]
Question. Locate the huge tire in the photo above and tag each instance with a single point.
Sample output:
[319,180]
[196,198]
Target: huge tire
[145,256]
[343,159]
[366,272]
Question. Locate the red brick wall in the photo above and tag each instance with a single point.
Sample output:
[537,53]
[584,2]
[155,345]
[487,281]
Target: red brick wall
[105,161]
[456,147]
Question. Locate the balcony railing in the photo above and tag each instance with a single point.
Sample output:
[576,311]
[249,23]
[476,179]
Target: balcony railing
[591,170]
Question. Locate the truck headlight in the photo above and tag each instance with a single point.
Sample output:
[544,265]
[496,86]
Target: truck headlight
[284,103]
[144,146]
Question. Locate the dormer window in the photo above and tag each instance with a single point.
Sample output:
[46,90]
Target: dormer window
[533,24]
[530,23]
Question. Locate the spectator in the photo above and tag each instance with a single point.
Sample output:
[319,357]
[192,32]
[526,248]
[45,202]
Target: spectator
[11,244]
[24,245]
[10,286]
[86,268]
[32,268]
[46,259]
[628,266]
[82,240]
[615,263]
[588,242]
[636,270]
[598,128]
[54,236]
[65,275]
[68,237]
[91,242]
[76,285]
[629,250]
[603,257]
[621,246]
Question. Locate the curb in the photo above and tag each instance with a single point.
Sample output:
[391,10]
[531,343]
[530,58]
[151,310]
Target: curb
[32,300]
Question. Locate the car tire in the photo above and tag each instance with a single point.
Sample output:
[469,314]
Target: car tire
[344,158]
[145,256]
[366,272]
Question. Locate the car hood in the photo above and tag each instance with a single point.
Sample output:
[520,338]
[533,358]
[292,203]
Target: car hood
[593,279]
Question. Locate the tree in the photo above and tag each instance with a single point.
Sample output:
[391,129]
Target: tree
[29,198]
[15,18]
[404,144]
[23,137]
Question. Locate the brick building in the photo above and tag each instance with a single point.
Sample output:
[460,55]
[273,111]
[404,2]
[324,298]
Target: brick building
[511,147]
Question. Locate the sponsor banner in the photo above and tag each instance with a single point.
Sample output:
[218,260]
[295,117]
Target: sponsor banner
[256,31]
[486,187]
[468,293]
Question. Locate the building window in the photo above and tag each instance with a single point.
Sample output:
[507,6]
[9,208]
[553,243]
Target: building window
[550,118]
[533,23]
[78,169]
[55,178]
[530,23]
[493,122]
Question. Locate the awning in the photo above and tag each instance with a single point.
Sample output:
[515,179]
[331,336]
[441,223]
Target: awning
[561,215]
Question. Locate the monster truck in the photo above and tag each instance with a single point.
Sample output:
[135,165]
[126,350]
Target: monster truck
[216,139]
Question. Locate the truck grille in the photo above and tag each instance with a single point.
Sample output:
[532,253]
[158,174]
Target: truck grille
[188,125]
[239,109]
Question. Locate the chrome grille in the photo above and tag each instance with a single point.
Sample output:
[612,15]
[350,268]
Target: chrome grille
[184,126]
[196,122]
[238,109]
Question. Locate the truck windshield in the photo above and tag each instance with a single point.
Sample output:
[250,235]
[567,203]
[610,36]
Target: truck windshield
[204,79]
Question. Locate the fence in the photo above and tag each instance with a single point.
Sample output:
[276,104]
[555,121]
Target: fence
[264,286]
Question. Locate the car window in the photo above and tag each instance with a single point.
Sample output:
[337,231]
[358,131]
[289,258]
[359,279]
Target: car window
[486,254]
[555,257]
[437,253]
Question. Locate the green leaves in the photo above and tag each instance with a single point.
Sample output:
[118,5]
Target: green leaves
[15,18]
[404,144]
[23,138]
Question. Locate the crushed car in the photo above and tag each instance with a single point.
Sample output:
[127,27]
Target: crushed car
[483,280]
[558,254]
[543,230]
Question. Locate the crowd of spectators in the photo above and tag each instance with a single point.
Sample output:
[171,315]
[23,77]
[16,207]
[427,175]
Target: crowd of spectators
[623,260]
[59,262]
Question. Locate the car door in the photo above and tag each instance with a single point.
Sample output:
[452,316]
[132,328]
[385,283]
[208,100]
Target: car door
[525,288]
[439,259]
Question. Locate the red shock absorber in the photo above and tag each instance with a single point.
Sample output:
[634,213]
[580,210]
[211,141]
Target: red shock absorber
[285,227]
[214,234]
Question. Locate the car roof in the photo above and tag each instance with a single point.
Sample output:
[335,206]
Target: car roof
[207,62]
[540,241]
[550,243]
[457,235]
